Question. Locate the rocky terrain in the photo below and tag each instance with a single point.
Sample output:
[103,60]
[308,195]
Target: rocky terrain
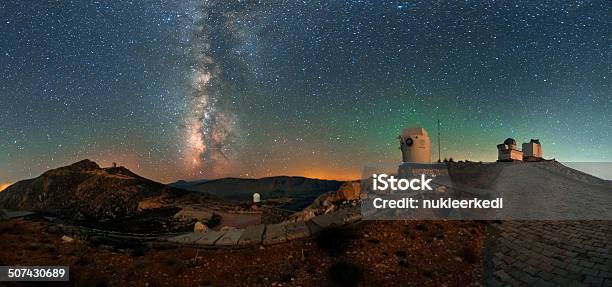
[347,195]
[117,199]
[85,192]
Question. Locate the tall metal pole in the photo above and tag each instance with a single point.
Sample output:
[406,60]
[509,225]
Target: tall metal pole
[439,154]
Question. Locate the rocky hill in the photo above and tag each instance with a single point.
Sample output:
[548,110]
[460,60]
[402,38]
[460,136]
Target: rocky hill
[83,190]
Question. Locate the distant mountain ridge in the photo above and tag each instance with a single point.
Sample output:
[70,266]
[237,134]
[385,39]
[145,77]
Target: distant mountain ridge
[242,189]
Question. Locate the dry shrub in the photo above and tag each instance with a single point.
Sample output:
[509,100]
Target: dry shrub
[335,240]
[344,273]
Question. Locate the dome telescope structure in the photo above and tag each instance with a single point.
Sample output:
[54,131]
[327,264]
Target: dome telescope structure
[415,145]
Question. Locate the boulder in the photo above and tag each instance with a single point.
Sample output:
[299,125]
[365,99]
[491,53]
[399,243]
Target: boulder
[199,227]
[350,190]
[67,239]
[304,215]
[328,203]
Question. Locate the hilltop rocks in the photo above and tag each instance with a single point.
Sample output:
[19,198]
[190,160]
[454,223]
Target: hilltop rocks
[347,195]
[84,165]
[304,215]
[350,190]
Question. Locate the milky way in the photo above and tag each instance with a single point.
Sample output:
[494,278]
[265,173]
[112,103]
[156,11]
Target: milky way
[207,129]
[210,131]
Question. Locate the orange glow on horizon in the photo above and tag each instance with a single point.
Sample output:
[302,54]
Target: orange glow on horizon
[329,174]
[4,185]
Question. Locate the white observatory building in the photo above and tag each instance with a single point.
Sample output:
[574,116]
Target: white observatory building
[415,145]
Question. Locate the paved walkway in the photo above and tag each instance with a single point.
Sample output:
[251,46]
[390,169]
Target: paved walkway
[268,234]
[549,253]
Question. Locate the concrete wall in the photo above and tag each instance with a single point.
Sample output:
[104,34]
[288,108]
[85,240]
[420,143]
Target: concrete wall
[532,150]
[509,155]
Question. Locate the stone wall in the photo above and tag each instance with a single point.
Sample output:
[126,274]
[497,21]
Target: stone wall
[413,170]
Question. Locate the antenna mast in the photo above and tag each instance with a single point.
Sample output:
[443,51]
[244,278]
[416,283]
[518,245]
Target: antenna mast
[439,154]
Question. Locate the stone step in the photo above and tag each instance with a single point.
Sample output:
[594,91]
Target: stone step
[297,230]
[252,235]
[275,233]
[210,237]
[230,238]
[328,220]
[189,238]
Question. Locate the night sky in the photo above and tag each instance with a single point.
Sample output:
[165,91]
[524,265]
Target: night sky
[202,89]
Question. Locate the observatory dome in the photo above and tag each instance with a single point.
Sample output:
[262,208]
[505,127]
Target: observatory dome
[510,141]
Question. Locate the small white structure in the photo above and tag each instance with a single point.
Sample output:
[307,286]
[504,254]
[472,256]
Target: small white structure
[508,151]
[415,145]
[532,151]
[256,198]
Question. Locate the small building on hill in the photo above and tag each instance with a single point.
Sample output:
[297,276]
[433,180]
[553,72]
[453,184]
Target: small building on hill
[532,151]
[508,151]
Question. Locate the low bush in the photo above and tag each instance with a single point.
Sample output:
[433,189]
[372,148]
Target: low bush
[214,220]
[335,240]
[344,273]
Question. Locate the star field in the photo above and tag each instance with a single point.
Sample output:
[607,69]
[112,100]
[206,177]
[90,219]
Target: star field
[196,89]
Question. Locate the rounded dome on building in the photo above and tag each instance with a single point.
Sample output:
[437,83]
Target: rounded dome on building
[510,141]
